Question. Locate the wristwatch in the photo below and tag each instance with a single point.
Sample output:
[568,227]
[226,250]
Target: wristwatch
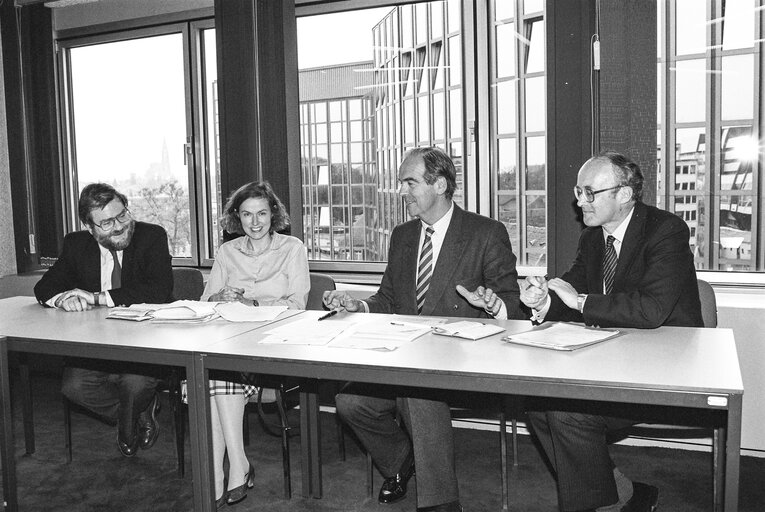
[97,298]
[255,303]
[580,302]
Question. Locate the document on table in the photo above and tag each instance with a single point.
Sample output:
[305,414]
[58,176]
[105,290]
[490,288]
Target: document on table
[380,334]
[238,312]
[186,311]
[468,330]
[561,336]
[309,331]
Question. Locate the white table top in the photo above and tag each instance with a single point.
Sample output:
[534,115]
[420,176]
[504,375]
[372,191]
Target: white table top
[668,358]
[24,318]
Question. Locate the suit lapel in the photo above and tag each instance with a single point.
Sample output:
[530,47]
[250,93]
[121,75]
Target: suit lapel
[411,239]
[448,259]
[633,240]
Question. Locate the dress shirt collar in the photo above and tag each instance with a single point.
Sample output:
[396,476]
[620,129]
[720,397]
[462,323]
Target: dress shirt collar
[620,231]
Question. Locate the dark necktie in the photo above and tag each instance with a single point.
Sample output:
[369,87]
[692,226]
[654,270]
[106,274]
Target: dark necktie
[424,269]
[116,271]
[609,264]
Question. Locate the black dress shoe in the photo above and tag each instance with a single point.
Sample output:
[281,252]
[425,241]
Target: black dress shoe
[452,506]
[644,498]
[128,449]
[148,427]
[237,494]
[394,488]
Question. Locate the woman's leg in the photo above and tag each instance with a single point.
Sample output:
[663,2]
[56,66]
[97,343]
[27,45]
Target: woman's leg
[231,414]
[219,446]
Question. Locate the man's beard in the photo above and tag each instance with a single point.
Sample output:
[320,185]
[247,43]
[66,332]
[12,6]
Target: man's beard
[107,241]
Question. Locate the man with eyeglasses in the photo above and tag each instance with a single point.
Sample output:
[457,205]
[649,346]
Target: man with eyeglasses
[633,268]
[117,261]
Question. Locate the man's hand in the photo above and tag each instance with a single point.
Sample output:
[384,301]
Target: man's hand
[565,291]
[483,298]
[534,292]
[76,300]
[335,299]
[229,294]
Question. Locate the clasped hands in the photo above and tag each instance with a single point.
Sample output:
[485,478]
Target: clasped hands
[232,294]
[483,298]
[536,289]
[76,300]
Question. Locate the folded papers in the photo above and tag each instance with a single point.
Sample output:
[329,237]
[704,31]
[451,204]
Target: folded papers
[562,336]
[180,311]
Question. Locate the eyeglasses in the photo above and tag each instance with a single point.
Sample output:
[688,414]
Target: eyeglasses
[108,224]
[589,194]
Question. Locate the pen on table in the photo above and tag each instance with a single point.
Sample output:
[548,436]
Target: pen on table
[546,278]
[330,314]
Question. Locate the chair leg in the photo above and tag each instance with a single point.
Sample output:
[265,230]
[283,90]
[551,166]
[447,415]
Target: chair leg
[67,429]
[26,393]
[246,424]
[370,476]
[514,430]
[503,458]
[718,466]
[340,436]
[285,443]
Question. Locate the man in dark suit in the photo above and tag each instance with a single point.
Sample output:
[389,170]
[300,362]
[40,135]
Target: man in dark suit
[433,262]
[633,268]
[116,262]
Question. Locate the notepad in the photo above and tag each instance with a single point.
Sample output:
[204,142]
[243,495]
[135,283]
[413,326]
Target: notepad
[468,330]
[562,336]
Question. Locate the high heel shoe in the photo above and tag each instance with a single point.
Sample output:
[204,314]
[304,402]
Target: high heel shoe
[240,493]
[221,501]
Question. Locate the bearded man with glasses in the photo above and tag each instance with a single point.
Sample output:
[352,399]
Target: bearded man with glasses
[117,261]
[633,268]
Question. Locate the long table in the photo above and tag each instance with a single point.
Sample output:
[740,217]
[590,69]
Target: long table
[679,367]
[25,326]
[670,366]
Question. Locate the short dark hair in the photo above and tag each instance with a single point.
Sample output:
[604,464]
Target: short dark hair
[437,164]
[97,196]
[627,172]
[256,190]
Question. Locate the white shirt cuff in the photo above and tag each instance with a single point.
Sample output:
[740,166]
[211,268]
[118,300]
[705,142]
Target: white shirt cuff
[538,315]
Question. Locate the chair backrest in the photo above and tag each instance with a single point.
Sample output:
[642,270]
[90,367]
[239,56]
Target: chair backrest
[188,283]
[320,283]
[708,304]
[22,284]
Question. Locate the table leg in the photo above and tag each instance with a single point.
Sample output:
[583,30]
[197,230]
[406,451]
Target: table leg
[26,394]
[310,439]
[200,434]
[732,453]
[7,450]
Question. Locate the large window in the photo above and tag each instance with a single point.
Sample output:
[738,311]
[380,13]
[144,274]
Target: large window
[136,120]
[710,128]
[394,78]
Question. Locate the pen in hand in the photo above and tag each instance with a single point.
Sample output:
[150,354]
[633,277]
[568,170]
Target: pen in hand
[330,314]
[546,278]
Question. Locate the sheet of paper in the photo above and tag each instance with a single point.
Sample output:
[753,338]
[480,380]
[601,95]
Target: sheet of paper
[468,329]
[309,331]
[562,336]
[238,312]
[380,334]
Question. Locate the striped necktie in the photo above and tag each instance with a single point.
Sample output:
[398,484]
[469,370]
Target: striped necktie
[609,264]
[116,271]
[424,269]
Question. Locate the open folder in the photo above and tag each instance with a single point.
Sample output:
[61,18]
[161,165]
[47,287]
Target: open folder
[561,336]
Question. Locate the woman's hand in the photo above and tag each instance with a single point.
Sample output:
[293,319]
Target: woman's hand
[229,294]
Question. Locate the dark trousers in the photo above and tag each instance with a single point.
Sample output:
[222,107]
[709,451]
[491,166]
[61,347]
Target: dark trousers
[371,412]
[117,397]
[577,447]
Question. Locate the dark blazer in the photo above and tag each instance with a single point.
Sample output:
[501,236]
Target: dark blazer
[147,274]
[476,252]
[655,282]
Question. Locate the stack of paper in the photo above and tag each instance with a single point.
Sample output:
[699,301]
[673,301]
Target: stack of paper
[380,334]
[562,336]
[468,330]
[238,312]
[180,311]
